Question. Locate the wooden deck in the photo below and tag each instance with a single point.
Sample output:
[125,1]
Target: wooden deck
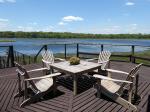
[64,101]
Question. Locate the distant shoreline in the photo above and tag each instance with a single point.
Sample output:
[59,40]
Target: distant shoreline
[68,35]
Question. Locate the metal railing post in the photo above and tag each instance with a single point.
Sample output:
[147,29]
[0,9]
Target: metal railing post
[132,54]
[102,47]
[77,50]
[45,47]
[65,51]
[23,56]
[10,57]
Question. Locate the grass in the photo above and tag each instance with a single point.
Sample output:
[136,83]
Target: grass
[144,54]
[7,41]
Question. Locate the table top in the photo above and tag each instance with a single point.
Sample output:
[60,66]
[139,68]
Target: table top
[83,67]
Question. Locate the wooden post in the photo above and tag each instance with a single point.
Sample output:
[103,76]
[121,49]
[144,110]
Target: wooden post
[102,47]
[77,50]
[65,51]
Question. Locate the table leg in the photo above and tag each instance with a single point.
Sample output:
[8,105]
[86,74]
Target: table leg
[99,88]
[74,84]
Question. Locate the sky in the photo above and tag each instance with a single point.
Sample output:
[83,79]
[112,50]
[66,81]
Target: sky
[77,16]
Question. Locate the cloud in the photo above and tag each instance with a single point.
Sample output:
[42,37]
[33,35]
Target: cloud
[3,20]
[10,1]
[72,18]
[65,20]
[130,3]
[62,23]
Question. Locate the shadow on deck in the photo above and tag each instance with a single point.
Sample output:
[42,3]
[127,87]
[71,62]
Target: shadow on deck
[64,101]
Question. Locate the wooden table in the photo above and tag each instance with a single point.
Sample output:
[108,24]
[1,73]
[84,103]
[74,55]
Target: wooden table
[75,70]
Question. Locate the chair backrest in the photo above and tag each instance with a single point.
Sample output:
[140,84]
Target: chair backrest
[47,55]
[104,58]
[131,75]
[22,72]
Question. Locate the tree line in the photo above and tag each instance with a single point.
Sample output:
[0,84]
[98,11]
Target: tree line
[20,34]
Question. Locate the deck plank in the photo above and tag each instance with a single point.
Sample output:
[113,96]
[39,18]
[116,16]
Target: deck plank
[85,101]
[9,96]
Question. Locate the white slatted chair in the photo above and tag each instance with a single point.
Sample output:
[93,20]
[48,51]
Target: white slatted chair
[108,87]
[44,85]
[48,59]
[103,59]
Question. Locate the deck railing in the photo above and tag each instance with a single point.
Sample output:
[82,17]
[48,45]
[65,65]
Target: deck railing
[23,58]
[7,60]
[12,55]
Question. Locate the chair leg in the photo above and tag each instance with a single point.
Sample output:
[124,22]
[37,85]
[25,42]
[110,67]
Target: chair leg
[130,91]
[25,102]
[18,94]
[30,100]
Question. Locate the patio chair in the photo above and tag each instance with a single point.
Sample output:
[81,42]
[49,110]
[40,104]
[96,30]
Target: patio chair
[48,59]
[103,59]
[44,85]
[108,87]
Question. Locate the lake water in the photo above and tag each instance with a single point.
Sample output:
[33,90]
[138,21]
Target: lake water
[32,46]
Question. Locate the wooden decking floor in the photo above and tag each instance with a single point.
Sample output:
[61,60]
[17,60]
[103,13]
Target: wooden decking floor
[64,101]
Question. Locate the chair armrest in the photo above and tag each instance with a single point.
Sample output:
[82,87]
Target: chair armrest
[39,69]
[117,71]
[103,62]
[43,77]
[110,79]
[92,59]
[47,62]
[60,59]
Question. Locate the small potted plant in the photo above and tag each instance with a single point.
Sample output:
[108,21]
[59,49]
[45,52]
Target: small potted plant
[74,61]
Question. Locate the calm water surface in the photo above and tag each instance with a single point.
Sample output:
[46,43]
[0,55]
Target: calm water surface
[32,46]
